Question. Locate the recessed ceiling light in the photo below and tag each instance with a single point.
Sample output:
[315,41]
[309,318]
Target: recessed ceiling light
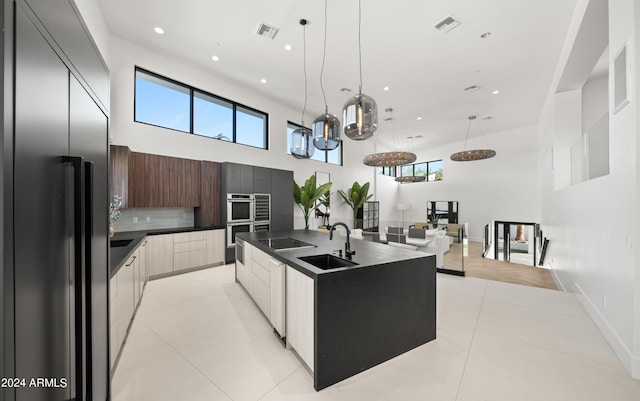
[159,30]
[344,90]
[495,92]
[488,118]
[418,136]
[485,35]
[264,81]
[410,138]
[215,58]
[288,48]
[386,88]
[419,118]
[471,88]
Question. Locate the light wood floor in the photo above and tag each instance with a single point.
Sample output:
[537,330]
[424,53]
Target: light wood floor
[477,266]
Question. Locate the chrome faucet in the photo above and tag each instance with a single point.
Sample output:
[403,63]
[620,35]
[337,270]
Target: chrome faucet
[347,245]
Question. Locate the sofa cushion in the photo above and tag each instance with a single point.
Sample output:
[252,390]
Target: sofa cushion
[416,233]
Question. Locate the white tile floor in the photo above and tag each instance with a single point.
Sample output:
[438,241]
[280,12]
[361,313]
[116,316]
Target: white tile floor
[199,336]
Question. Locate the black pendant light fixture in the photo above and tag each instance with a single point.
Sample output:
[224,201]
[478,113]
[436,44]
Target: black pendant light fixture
[326,127]
[360,113]
[301,138]
[475,154]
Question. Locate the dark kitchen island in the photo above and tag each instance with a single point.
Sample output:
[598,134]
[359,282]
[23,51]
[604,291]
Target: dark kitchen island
[362,315]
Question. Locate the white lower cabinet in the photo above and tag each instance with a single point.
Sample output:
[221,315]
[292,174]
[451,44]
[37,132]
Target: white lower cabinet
[113,320]
[300,314]
[242,269]
[159,254]
[189,250]
[277,277]
[125,292]
[263,278]
[215,247]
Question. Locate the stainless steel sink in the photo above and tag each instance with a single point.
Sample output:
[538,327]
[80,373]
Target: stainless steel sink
[327,261]
[120,242]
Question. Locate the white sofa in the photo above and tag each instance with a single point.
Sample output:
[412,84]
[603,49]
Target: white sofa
[435,242]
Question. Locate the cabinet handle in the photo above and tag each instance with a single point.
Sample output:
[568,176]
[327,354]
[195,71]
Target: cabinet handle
[144,243]
[130,263]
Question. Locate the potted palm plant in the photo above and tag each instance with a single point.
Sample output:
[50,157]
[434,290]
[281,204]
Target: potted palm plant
[305,197]
[355,197]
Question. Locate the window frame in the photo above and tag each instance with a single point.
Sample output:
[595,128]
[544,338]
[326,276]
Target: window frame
[192,91]
[427,164]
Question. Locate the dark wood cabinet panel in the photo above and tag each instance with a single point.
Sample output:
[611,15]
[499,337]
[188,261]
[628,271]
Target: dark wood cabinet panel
[162,181]
[136,180]
[209,212]
[119,173]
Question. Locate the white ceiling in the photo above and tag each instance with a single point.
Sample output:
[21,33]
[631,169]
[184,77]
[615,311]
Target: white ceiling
[425,69]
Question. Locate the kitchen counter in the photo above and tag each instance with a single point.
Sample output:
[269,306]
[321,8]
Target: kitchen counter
[367,254]
[119,255]
[363,315]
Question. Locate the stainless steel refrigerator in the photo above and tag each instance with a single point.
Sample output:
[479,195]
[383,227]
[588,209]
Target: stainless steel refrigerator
[55,192]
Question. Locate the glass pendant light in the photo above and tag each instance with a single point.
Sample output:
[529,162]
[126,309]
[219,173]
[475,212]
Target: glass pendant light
[360,113]
[475,154]
[301,138]
[326,128]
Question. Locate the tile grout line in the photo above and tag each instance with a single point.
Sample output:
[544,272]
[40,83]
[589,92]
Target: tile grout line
[475,328]
[203,374]
[279,383]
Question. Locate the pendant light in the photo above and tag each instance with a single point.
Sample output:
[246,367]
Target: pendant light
[326,127]
[360,113]
[389,159]
[301,138]
[472,155]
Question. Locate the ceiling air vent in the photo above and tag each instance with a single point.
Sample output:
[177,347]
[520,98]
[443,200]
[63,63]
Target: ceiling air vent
[447,24]
[267,31]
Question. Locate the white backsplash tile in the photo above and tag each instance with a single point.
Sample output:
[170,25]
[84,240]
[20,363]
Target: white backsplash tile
[154,218]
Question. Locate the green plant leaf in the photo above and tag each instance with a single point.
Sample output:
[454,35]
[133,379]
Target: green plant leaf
[296,193]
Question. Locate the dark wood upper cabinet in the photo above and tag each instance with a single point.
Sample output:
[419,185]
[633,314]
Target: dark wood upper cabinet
[209,212]
[119,174]
[146,180]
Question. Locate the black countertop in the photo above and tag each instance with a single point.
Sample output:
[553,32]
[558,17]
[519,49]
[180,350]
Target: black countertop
[367,254]
[119,255]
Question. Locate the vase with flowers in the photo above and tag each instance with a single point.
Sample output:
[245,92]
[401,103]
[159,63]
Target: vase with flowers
[114,213]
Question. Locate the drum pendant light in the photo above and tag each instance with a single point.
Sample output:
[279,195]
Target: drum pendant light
[326,128]
[360,113]
[301,138]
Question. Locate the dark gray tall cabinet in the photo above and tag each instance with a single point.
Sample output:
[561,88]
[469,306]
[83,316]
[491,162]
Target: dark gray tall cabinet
[246,179]
[55,205]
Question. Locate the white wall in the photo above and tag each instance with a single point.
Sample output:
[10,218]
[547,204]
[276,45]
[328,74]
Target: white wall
[124,56]
[591,225]
[504,187]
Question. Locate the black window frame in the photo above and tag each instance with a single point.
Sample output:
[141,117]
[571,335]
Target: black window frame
[192,91]
[326,152]
[413,169]
[387,170]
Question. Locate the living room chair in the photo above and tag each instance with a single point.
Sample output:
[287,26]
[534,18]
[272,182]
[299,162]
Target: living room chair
[396,234]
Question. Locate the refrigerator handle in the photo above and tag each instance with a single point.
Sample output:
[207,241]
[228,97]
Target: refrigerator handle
[79,257]
[88,278]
